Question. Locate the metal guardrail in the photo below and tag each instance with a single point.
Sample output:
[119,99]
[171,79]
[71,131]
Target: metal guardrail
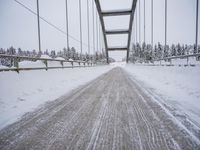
[179,57]
[16,59]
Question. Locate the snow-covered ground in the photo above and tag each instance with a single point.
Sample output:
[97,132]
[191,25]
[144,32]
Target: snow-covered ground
[23,92]
[177,87]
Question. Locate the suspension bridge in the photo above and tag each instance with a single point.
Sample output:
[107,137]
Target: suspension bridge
[112,110]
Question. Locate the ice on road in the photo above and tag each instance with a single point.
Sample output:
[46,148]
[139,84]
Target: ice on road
[111,112]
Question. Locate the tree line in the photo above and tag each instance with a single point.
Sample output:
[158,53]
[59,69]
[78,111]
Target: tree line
[146,53]
[66,53]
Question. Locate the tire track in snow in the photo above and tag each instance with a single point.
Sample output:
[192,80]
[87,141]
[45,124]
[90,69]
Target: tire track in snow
[154,133]
[79,116]
[179,135]
[98,124]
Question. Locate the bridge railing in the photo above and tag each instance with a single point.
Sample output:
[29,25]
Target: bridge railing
[16,59]
[169,59]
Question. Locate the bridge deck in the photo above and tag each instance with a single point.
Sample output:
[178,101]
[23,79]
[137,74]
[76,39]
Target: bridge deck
[111,112]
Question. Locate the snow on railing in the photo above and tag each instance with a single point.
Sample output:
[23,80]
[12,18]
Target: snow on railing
[16,59]
[169,59]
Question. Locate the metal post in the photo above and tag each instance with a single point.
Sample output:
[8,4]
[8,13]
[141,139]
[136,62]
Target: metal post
[38,20]
[46,64]
[165,24]
[80,27]
[67,28]
[16,64]
[62,64]
[88,21]
[197,19]
[72,64]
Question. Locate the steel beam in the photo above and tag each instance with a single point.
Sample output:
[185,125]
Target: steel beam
[116,13]
[103,27]
[117,32]
[117,48]
[130,28]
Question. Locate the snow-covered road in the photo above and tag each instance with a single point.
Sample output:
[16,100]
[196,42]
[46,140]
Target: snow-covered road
[111,112]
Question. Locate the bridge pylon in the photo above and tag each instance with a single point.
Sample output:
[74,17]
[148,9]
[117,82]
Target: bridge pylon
[112,13]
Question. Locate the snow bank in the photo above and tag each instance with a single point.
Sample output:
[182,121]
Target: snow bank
[59,58]
[45,56]
[23,92]
[3,67]
[40,63]
[31,64]
[180,62]
[179,86]
[54,64]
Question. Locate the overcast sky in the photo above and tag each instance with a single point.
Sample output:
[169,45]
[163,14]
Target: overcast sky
[18,26]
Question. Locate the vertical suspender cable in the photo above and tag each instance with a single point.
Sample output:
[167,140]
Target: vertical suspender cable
[88,23]
[165,24]
[134,31]
[139,22]
[136,25]
[80,27]
[197,19]
[93,28]
[67,27]
[144,23]
[102,43]
[100,37]
[38,20]
[97,31]
[152,24]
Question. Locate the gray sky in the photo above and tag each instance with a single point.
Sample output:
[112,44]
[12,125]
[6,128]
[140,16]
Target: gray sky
[18,27]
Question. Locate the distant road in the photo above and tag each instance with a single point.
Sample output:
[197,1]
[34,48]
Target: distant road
[111,112]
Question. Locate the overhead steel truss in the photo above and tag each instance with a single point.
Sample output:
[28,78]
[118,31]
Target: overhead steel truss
[128,31]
